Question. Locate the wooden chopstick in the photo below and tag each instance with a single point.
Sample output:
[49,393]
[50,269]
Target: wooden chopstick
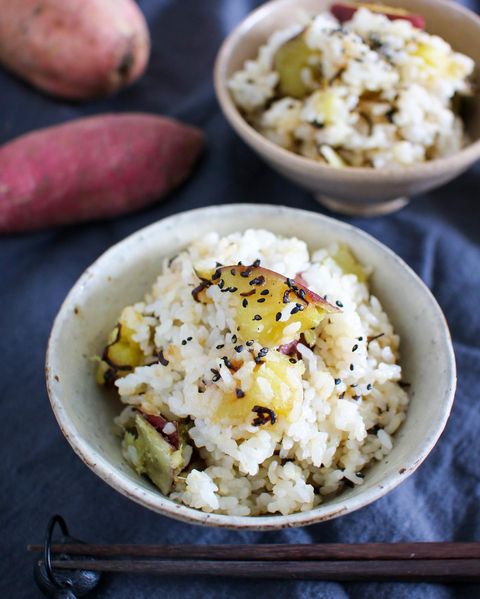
[264,552]
[431,570]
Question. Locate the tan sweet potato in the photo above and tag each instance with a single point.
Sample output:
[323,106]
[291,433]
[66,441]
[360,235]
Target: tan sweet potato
[76,49]
[92,168]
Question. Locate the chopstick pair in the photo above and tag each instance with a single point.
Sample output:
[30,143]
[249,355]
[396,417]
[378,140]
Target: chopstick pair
[428,562]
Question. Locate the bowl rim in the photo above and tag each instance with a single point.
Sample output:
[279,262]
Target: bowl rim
[464,157]
[153,499]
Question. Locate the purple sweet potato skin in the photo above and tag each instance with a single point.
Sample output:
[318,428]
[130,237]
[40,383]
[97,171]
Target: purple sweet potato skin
[92,168]
[77,49]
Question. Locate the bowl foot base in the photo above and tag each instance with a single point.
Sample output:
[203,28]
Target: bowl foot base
[357,209]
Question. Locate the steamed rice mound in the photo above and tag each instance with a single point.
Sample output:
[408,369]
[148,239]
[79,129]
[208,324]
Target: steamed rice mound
[367,92]
[342,401]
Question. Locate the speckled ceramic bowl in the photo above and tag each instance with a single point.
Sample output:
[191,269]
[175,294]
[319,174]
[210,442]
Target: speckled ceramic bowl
[362,191]
[125,272]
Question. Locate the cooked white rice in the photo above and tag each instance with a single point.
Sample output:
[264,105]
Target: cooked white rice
[377,92]
[349,400]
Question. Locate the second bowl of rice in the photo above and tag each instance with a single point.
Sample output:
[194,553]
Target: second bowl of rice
[362,110]
[249,377]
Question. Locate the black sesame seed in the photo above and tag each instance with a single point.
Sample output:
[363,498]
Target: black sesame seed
[221,283]
[292,360]
[246,273]
[278,315]
[250,343]
[264,292]
[233,289]
[341,396]
[238,348]
[352,366]
[257,317]
[234,338]
[216,275]
[260,300]
[227,362]
[355,347]
[356,397]
[256,262]
[294,310]
[216,374]
[233,272]
[189,338]
[258,280]
[339,304]
[239,263]
[245,302]
[239,393]
[286,296]
[263,352]
[219,346]
[338,381]
[360,474]
[184,342]
[360,338]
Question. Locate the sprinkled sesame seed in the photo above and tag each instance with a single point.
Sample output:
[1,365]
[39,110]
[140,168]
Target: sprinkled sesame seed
[339,304]
[342,395]
[221,283]
[189,338]
[352,366]
[258,280]
[233,289]
[239,393]
[360,338]
[216,275]
[257,317]
[278,315]
[249,343]
[245,302]
[184,342]
[338,381]
[292,360]
[219,346]
[234,338]
[369,386]
[355,347]
[356,397]
[256,262]
[238,348]
[260,300]
[233,272]
[294,310]
[264,292]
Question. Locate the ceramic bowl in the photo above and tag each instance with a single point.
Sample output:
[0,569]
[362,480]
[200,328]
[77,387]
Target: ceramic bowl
[360,191]
[124,273]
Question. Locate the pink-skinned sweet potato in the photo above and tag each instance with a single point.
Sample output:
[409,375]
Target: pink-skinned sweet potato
[92,168]
[77,49]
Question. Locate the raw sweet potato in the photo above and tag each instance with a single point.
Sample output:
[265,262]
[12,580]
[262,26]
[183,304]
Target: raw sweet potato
[76,49]
[92,168]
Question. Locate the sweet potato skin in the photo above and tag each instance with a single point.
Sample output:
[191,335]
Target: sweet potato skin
[92,168]
[76,49]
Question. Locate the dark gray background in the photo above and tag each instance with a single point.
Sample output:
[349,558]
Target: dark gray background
[438,235]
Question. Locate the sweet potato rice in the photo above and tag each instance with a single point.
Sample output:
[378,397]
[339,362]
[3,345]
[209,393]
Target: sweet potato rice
[256,378]
[365,92]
